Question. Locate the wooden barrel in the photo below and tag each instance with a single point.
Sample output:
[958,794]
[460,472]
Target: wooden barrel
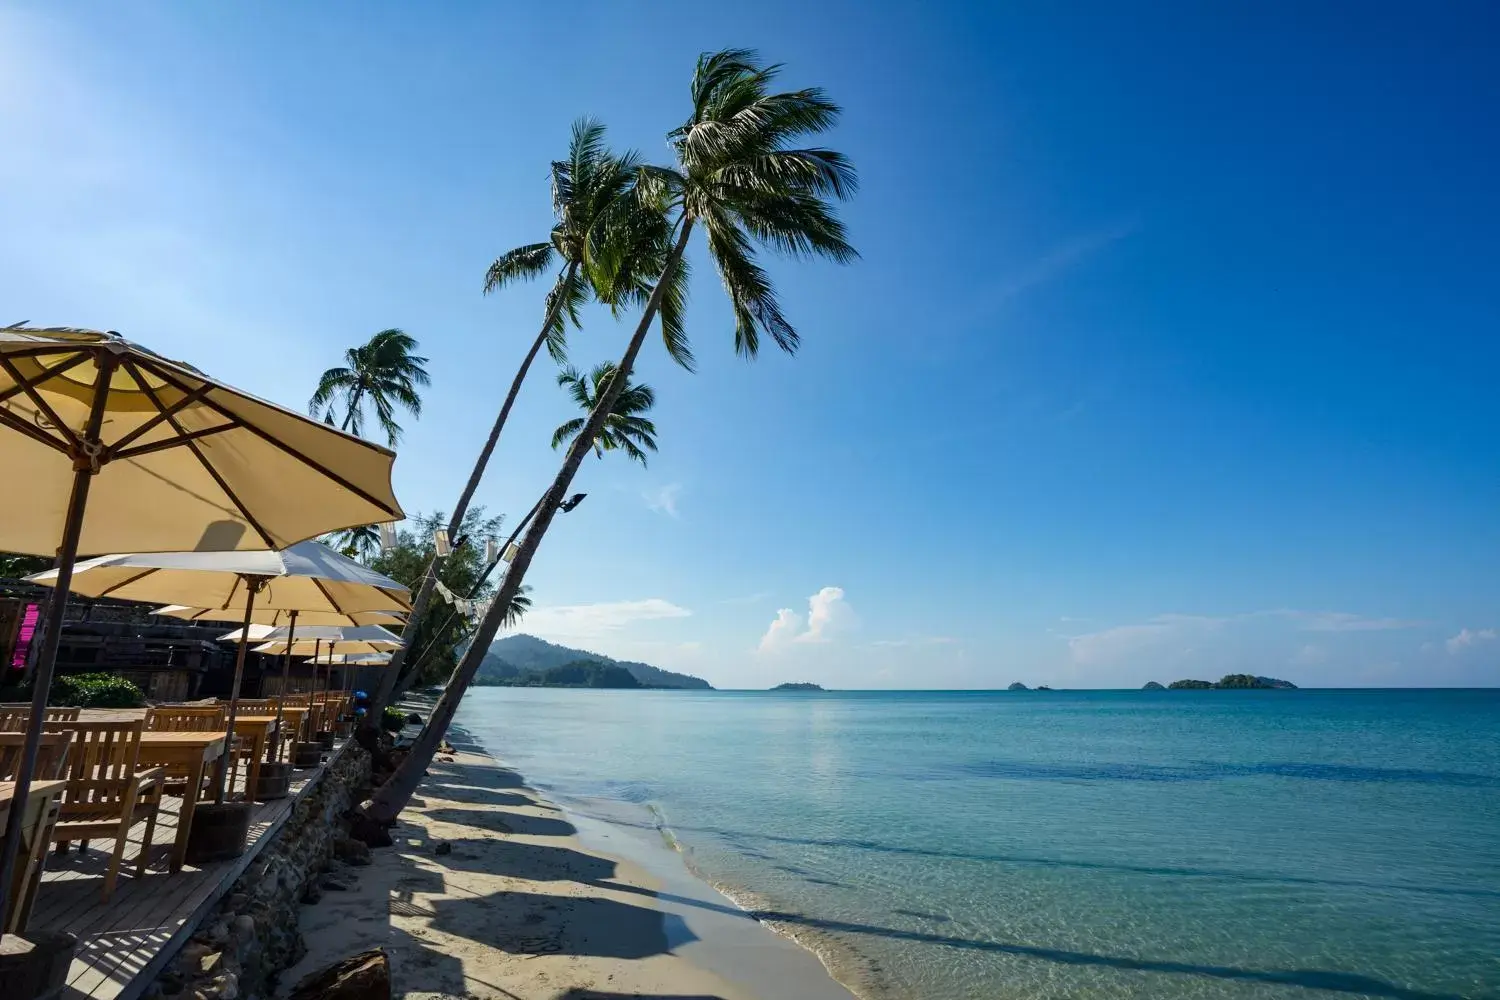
[305,755]
[34,964]
[219,831]
[275,782]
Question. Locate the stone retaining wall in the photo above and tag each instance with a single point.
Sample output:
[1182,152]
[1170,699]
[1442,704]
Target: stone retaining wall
[238,951]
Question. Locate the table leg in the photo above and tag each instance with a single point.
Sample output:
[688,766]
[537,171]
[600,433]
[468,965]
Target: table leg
[252,770]
[185,817]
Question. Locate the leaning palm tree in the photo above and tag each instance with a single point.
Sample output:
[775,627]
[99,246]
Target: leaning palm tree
[600,248]
[741,179]
[624,429]
[383,373]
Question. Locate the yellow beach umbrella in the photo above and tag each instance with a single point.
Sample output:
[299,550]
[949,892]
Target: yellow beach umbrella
[112,448]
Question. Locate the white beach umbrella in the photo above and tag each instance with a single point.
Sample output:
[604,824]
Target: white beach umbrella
[354,639]
[111,447]
[308,576]
[272,618]
[255,633]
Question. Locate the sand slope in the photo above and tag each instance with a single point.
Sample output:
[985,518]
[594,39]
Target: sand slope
[519,910]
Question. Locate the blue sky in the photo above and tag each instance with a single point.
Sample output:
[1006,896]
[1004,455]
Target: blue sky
[1172,350]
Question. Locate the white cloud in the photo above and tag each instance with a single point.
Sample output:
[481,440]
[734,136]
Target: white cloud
[663,499]
[1166,639]
[828,614]
[1112,644]
[782,631]
[1059,261]
[584,620]
[1337,621]
[1470,637]
[917,640]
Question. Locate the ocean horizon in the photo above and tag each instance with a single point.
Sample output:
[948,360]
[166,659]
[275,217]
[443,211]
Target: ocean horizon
[947,845]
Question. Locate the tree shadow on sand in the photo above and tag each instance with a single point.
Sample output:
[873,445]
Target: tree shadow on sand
[476,796]
[543,862]
[582,994]
[525,923]
[504,822]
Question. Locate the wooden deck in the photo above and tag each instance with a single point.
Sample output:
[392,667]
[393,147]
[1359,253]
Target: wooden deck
[125,943]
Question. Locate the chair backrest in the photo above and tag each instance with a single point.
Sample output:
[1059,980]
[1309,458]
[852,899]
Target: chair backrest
[51,755]
[185,718]
[254,706]
[296,700]
[13,717]
[100,765]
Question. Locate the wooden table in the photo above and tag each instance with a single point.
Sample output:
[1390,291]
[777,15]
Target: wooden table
[193,752]
[291,726]
[37,819]
[256,729]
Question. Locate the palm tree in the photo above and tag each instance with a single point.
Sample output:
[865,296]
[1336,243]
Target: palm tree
[624,429]
[739,177]
[603,247]
[383,372]
[357,543]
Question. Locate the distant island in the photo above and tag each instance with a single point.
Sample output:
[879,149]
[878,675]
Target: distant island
[1018,686]
[797,686]
[526,661]
[1229,682]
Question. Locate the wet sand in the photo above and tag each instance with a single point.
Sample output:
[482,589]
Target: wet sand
[519,907]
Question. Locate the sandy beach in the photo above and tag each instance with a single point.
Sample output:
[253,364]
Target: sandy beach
[490,892]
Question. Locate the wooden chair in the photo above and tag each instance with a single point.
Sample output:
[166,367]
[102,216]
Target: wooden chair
[106,795]
[254,706]
[51,755]
[15,715]
[186,718]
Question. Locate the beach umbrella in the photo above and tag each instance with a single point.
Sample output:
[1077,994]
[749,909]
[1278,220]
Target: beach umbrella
[272,618]
[352,639]
[307,576]
[112,447]
[348,640]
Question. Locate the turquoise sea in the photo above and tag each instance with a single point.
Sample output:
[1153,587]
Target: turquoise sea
[948,846]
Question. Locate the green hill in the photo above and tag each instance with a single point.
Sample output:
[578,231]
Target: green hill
[514,659]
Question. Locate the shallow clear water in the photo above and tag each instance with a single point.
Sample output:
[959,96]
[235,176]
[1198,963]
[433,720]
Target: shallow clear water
[1047,845]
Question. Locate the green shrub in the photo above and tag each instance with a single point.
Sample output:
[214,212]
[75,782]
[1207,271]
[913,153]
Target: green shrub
[96,691]
[393,720]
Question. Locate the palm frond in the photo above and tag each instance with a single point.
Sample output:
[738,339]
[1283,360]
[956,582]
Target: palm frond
[331,381]
[567,432]
[520,264]
[751,294]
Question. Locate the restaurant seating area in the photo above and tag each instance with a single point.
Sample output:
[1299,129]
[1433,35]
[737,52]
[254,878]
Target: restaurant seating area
[113,793]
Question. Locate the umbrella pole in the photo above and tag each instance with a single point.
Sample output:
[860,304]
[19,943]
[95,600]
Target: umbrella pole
[274,752]
[85,465]
[252,586]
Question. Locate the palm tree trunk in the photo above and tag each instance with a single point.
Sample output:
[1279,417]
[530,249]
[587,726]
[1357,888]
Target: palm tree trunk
[399,788]
[353,408]
[430,578]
